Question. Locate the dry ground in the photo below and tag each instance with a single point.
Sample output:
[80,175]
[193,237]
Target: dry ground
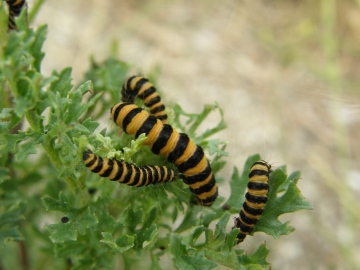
[286,74]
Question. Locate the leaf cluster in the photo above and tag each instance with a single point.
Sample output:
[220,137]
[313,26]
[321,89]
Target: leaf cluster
[55,208]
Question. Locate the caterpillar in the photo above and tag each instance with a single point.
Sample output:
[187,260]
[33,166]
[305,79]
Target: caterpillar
[15,7]
[141,87]
[255,199]
[178,148]
[126,173]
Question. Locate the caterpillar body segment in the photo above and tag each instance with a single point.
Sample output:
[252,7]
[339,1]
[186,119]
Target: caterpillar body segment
[126,173]
[178,148]
[137,86]
[255,199]
[15,7]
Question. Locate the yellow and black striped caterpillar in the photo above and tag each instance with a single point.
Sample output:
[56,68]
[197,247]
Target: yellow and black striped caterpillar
[178,148]
[142,88]
[255,199]
[15,7]
[126,173]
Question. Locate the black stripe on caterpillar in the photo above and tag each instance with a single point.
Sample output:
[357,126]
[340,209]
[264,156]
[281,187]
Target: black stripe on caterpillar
[178,148]
[255,199]
[142,88]
[126,173]
[15,7]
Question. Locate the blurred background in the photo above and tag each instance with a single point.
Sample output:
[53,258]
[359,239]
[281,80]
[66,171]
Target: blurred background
[286,73]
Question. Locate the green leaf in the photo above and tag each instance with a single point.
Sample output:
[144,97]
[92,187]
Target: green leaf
[79,219]
[63,204]
[62,85]
[75,108]
[216,147]
[225,259]
[66,145]
[130,218]
[183,260]
[190,219]
[21,20]
[8,120]
[292,178]
[82,129]
[256,260]
[230,240]
[40,36]
[192,236]
[106,222]
[289,201]
[4,174]
[195,120]
[149,236]
[8,142]
[10,234]
[120,244]
[150,217]
[59,233]
[9,222]
[109,75]
[239,183]
[13,214]
[135,146]
[220,228]
[70,248]
[84,219]
[28,148]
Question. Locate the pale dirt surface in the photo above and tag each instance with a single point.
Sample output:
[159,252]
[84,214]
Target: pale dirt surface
[264,64]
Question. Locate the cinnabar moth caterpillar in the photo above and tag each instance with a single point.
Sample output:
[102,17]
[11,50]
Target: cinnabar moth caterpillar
[15,7]
[126,173]
[142,88]
[178,148]
[255,199]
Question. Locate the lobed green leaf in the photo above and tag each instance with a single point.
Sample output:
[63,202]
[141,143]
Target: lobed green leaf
[9,222]
[120,244]
[289,201]
[184,260]
[238,184]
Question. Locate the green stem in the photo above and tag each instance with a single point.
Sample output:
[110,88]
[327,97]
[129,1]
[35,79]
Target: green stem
[34,120]
[127,262]
[54,156]
[34,10]
[35,123]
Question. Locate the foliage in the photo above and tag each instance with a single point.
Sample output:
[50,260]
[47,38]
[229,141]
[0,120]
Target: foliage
[54,208]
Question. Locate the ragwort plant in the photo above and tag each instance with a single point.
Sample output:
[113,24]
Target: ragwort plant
[54,213]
